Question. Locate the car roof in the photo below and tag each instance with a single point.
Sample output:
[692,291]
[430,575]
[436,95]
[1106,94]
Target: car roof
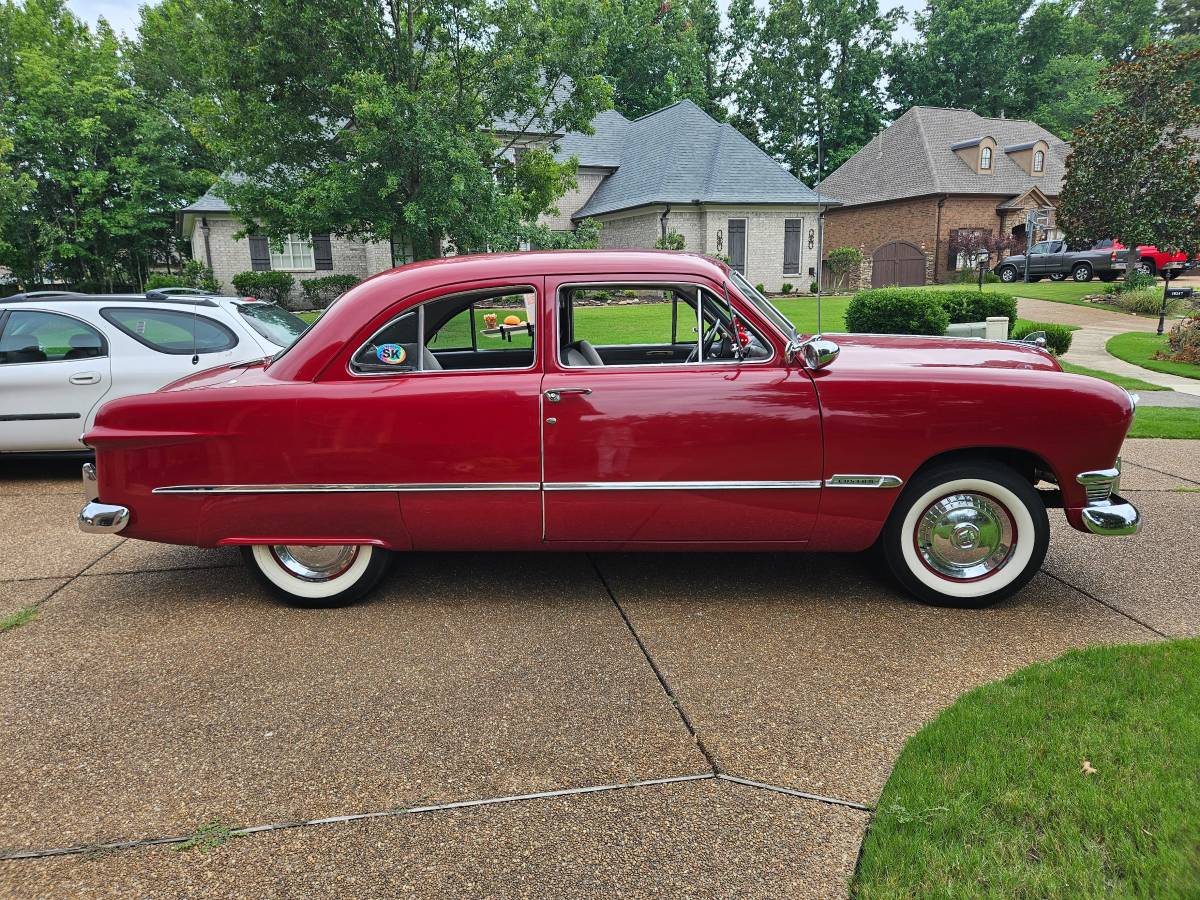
[198,298]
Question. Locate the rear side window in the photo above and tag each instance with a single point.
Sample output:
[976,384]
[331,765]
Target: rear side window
[172,331]
[36,336]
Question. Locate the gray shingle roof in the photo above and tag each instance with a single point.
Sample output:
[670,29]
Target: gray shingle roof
[210,202]
[680,154]
[915,156]
[603,147]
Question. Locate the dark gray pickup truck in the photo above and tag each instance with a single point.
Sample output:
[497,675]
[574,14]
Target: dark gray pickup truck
[1052,259]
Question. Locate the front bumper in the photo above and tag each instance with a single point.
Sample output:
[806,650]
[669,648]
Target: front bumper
[96,517]
[1114,516]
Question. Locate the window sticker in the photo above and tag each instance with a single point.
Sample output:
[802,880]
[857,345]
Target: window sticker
[392,354]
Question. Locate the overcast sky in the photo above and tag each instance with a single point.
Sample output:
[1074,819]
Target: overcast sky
[122,15]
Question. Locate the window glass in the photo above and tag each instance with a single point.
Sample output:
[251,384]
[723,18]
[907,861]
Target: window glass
[296,253]
[985,158]
[469,331]
[763,305]
[613,325]
[1039,161]
[1040,248]
[172,331]
[35,336]
[274,323]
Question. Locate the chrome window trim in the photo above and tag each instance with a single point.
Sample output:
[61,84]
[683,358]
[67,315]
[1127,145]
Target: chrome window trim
[680,485]
[346,488]
[656,367]
[864,481]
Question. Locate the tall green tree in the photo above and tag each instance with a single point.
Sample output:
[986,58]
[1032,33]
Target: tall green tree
[656,52]
[1134,173]
[810,73]
[397,119]
[96,171]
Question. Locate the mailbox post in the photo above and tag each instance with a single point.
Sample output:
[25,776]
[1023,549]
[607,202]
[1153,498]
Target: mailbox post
[1170,293]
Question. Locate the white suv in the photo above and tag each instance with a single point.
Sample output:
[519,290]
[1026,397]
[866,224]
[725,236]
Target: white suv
[63,354]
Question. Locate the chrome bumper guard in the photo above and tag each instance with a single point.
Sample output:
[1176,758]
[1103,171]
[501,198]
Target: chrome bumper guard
[1106,513]
[96,517]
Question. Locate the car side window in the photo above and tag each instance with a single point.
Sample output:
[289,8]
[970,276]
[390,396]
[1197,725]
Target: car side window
[630,324]
[468,331]
[1038,248]
[172,331]
[37,336]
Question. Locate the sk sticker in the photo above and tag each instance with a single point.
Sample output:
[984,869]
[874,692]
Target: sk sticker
[392,354]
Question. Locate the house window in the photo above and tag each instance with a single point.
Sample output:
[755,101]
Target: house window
[295,254]
[1039,161]
[793,231]
[985,158]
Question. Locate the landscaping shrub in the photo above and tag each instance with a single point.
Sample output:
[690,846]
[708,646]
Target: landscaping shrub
[275,286]
[897,311]
[842,261]
[812,287]
[788,287]
[1184,342]
[672,240]
[1136,281]
[1145,300]
[195,275]
[1058,337]
[320,292]
[759,287]
[975,306]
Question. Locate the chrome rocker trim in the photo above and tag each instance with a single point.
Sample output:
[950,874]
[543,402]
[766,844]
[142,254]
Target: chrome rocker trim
[680,485]
[344,488]
[103,518]
[864,481]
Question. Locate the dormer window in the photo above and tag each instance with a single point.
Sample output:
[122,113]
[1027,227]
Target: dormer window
[1039,161]
[985,158]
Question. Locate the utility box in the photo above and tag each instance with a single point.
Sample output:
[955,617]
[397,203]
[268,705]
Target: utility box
[994,329]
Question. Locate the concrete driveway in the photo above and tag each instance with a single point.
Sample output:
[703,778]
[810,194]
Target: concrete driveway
[715,725]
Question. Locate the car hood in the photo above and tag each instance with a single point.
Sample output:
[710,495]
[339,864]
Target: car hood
[881,350]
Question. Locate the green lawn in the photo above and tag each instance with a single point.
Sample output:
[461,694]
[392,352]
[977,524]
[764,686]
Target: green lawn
[1130,384]
[1057,291]
[1139,347]
[994,797]
[1166,422]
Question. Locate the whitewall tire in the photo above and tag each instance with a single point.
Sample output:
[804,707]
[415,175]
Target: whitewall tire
[966,534]
[318,576]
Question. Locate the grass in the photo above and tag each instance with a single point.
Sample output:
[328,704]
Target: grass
[994,798]
[1139,347]
[1166,422]
[22,616]
[1130,384]
[208,836]
[1056,291]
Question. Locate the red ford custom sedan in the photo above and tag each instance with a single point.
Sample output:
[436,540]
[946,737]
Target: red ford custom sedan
[611,400]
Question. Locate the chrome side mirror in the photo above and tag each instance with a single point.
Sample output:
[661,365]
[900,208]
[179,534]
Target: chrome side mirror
[1038,338]
[818,352]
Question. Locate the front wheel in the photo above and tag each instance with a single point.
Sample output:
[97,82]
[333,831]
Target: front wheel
[316,576]
[1082,272]
[1008,274]
[1146,267]
[966,534]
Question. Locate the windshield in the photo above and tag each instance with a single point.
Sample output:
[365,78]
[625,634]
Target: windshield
[763,305]
[275,324]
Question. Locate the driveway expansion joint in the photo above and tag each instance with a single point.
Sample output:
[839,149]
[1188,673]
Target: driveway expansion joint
[69,581]
[1105,604]
[713,763]
[792,792]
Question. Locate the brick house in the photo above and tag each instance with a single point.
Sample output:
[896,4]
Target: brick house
[676,169]
[913,195]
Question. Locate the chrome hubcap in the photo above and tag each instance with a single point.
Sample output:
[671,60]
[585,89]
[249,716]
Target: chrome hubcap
[965,536]
[320,563]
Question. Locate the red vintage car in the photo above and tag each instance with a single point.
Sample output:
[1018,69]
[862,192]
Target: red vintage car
[611,400]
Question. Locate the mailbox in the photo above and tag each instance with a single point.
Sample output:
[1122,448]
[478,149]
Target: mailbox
[1179,293]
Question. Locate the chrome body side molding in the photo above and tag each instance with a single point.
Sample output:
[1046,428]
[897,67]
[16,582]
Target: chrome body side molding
[864,481]
[344,488]
[680,485]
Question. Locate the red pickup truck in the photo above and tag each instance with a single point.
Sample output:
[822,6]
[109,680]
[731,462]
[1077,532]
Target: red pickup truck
[1151,260]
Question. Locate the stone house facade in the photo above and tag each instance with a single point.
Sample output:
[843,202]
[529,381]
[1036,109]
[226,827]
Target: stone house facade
[676,169]
[937,179]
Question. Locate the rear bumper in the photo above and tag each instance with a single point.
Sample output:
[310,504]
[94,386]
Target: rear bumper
[96,517]
[1114,516]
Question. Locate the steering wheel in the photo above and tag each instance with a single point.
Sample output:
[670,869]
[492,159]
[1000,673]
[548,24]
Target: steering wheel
[709,339]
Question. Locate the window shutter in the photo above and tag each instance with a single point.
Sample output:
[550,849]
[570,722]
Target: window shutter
[792,229]
[322,251]
[260,253]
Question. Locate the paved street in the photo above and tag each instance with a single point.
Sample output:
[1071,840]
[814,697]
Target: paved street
[739,714]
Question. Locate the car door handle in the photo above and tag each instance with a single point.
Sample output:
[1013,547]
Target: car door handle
[555,395]
[85,378]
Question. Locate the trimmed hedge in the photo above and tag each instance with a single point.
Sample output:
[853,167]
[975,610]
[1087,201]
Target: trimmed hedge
[1058,337]
[977,306]
[274,286]
[897,311]
[320,292]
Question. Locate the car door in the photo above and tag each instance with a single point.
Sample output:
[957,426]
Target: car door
[708,452]
[1039,258]
[54,370]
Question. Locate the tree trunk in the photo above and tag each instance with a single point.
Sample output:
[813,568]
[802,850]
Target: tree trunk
[1131,260]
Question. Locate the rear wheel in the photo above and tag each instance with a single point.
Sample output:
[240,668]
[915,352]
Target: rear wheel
[1008,274]
[318,575]
[1082,272]
[966,534]
[1147,267]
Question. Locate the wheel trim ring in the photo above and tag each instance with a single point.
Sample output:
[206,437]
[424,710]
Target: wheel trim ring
[995,505]
[300,562]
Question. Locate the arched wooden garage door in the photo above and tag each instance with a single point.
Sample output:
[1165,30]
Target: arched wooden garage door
[897,263]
